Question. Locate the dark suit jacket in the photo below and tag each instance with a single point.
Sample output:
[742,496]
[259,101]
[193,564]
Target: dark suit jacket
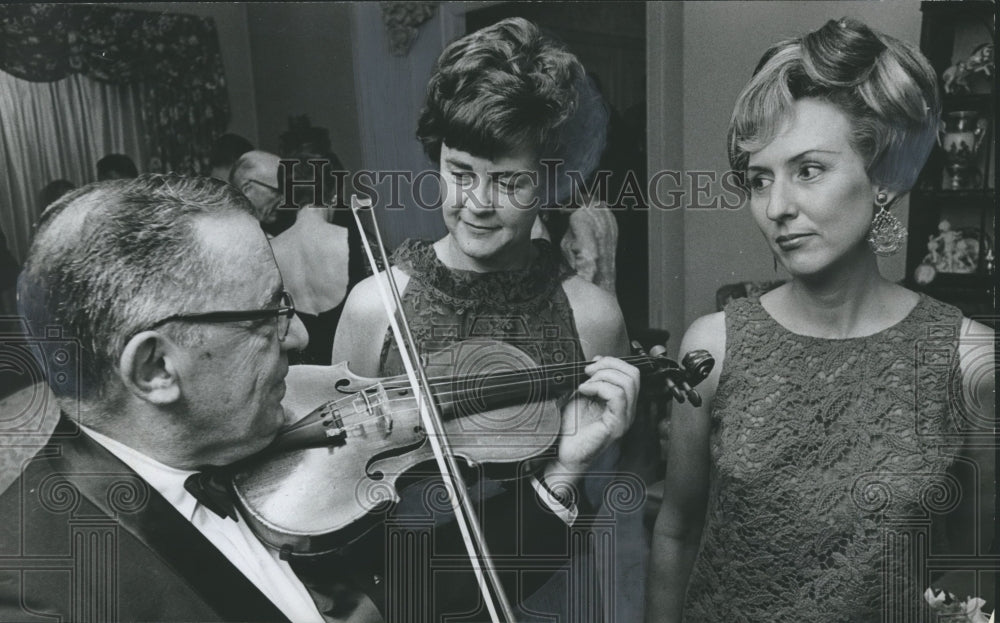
[84,538]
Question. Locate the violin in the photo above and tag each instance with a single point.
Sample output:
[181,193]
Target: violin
[327,477]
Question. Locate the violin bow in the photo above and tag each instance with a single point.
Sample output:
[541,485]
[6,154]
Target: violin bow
[475,544]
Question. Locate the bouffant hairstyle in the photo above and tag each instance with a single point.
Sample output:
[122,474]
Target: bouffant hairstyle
[509,87]
[884,86]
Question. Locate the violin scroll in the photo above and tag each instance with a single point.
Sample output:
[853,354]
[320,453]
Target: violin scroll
[699,364]
[679,379]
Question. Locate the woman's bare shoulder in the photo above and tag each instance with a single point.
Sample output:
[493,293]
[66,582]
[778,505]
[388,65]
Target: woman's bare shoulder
[707,332]
[363,325]
[598,318]
[366,296]
[590,299]
[977,357]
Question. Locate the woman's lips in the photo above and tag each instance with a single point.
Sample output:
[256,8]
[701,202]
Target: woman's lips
[479,228]
[787,242]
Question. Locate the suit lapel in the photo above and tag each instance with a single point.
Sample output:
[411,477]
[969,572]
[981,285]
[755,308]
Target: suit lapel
[161,528]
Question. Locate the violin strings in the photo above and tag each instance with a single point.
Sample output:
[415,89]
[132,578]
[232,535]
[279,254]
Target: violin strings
[440,382]
[358,419]
[510,378]
[543,372]
[355,429]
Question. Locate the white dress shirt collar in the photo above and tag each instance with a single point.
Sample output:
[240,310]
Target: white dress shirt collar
[168,481]
[263,567]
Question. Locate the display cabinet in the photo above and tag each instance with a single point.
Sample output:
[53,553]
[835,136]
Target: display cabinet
[951,252]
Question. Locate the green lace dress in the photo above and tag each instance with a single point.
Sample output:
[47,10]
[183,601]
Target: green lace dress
[829,462]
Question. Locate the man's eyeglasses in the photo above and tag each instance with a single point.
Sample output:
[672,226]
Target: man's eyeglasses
[283,313]
[273,189]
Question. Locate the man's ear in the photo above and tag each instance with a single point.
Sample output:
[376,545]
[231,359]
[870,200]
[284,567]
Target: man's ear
[148,368]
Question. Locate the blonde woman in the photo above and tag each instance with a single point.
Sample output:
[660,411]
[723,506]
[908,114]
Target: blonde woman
[834,426]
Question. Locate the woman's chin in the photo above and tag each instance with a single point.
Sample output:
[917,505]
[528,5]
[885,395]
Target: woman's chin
[479,252]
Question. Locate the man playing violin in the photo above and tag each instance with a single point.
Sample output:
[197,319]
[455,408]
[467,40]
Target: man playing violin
[173,358]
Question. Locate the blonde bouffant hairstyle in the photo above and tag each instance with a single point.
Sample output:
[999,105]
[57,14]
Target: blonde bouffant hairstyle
[884,86]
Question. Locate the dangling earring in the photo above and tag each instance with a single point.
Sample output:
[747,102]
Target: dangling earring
[887,233]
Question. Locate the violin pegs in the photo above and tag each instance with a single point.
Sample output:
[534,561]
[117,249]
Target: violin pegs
[657,350]
[638,349]
[694,397]
[691,394]
[674,390]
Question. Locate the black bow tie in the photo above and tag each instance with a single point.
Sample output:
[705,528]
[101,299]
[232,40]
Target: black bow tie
[210,487]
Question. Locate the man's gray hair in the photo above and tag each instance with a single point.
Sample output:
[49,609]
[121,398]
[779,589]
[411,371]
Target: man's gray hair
[112,258]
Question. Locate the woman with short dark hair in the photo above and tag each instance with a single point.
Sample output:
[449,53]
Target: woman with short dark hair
[499,101]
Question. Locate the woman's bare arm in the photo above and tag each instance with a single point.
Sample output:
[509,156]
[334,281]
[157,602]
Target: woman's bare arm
[679,524]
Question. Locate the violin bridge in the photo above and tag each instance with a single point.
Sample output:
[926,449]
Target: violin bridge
[373,405]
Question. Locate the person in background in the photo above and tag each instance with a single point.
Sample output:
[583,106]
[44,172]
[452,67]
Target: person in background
[320,261]
[302,139]
[839,401]
[116,167]
[591,241]
[255,174]
[584,228]
[53,191]
[225,151]
[320,253]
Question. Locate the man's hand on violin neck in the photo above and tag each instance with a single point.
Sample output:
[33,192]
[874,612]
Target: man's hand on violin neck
[600,412]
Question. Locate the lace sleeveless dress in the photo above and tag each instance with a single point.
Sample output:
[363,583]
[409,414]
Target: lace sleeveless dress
[526,308]
[829,460]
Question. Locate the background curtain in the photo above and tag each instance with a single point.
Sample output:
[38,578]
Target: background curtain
[161,99]
[59,130]
[175,59]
